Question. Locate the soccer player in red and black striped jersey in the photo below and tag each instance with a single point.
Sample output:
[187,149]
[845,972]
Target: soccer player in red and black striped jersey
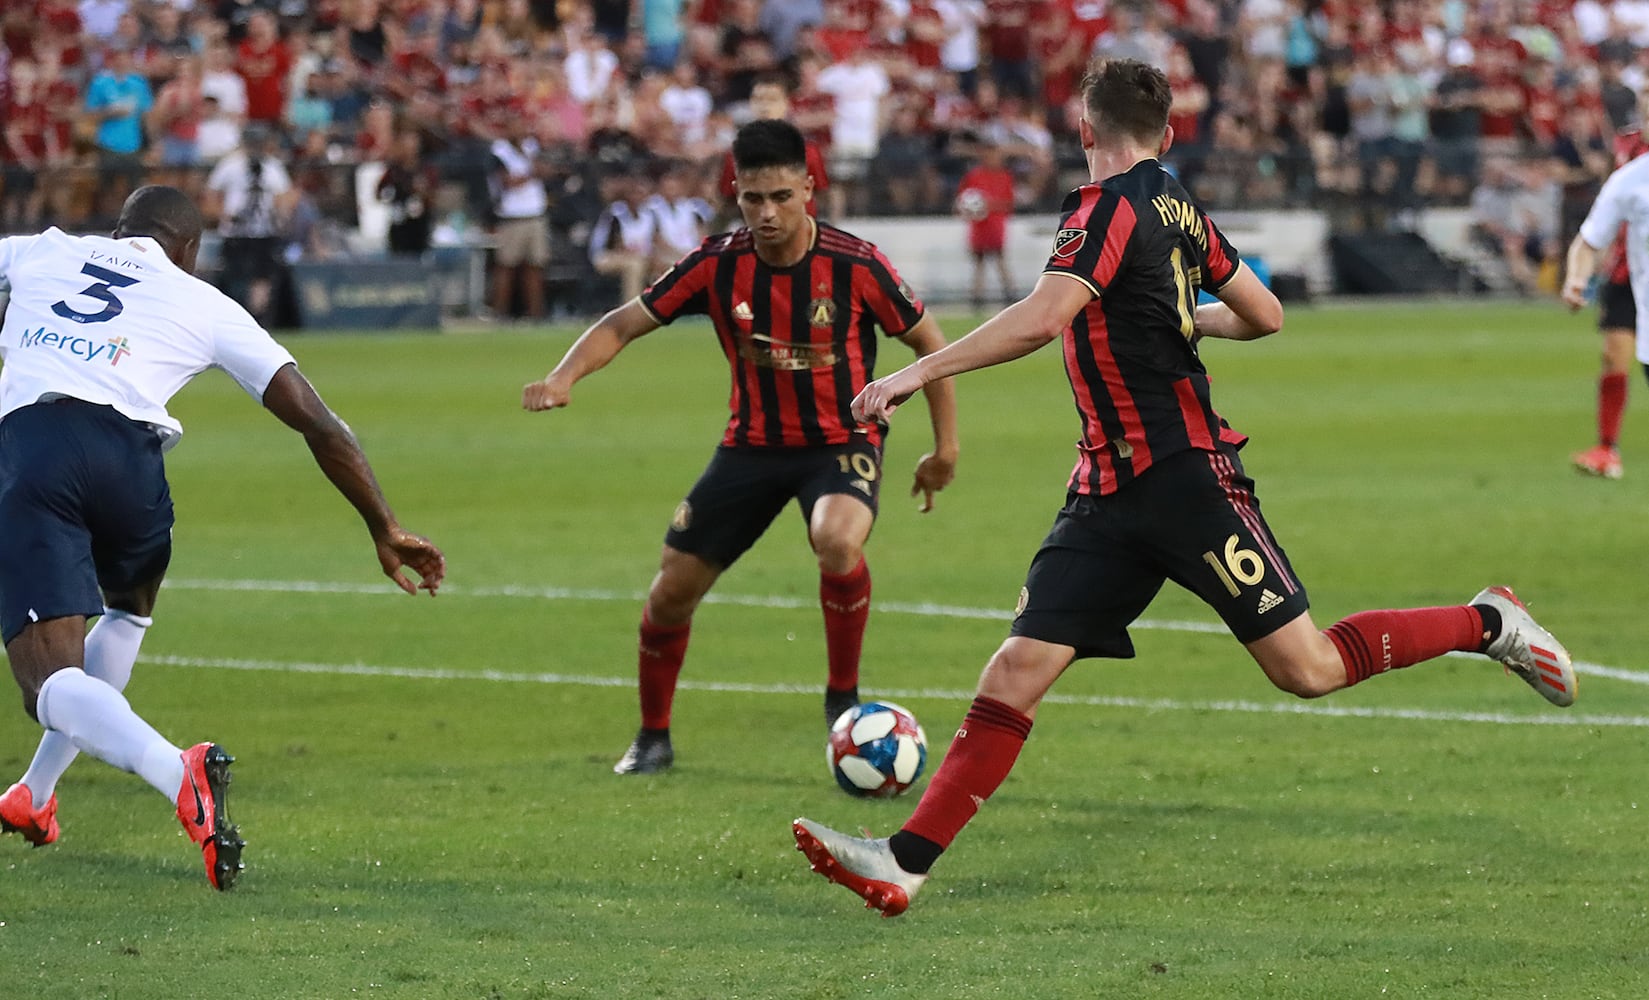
[1158,492]
[796,305]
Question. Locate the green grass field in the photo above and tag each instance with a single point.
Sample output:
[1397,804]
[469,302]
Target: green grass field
[425,784]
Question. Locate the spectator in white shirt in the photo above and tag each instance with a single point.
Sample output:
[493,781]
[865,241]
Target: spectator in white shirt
[858,85]
[622,240]
[687,103]
[590,68]
[680,220]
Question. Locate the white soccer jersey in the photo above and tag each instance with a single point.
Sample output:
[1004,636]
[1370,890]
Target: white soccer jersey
[1625,198]
[116,322]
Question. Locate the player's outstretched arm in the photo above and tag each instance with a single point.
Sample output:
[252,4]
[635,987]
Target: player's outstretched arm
[1246,310]
[1581,265]
[589,353]
[1012,333]
[936,469]
[291,398]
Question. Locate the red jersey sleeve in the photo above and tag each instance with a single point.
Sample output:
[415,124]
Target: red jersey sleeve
[683,290]
[888,298]
[1219,263]
[1095,226]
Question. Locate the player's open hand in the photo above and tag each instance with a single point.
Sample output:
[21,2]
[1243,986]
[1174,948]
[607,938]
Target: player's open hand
[399,549]
[878,400]
[545,394]
[933,474]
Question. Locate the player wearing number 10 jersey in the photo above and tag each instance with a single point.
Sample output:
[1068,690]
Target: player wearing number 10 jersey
[795,306]
[1158,492]
[99,334]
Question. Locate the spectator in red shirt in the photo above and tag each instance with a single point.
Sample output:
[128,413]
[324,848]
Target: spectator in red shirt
[264,63]
[1008,39]
[30,145]
[985,200]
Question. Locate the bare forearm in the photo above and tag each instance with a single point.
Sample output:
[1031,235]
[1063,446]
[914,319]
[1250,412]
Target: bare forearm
[591,352]
[1012,333]
[343,463]
[941,400]
[1581,264]
[1215,319]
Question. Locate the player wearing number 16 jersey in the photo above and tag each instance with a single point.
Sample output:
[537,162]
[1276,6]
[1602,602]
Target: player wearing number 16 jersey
[795,305]
[1158,492]
[100,332]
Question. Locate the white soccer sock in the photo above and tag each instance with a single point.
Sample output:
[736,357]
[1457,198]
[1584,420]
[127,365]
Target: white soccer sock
[99,721]
[111,652]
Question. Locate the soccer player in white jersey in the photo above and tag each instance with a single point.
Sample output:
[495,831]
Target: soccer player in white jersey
[1624,199]
[99,334]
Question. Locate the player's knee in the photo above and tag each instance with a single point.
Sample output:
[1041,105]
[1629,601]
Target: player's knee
[1310,679]
[836,554]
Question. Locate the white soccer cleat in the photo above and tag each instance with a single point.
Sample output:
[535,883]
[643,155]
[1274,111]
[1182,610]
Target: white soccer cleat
[861,864]
[1528,650]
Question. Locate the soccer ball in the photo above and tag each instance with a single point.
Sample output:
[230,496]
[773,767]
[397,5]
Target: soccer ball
[972,205]
[876,750]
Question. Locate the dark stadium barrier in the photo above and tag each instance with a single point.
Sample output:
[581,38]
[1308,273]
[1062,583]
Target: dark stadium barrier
[380,295]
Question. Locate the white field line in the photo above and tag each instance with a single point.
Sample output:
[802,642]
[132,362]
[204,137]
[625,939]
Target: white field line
[748,601]
[933,610]
[947,694]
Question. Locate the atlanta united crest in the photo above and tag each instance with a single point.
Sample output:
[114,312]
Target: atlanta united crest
[821,312]
[1068,241]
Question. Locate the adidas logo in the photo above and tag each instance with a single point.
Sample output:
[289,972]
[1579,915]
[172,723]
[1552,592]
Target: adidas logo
[861,486]
[1268,600]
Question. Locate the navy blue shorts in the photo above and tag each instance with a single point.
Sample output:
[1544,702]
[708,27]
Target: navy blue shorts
[85,506]
[1192,518]
[742,490]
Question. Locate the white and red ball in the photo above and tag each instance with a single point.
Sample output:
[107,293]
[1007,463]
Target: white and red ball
[876,750]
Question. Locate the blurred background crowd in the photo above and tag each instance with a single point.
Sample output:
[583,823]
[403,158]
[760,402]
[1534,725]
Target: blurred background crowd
[606,122]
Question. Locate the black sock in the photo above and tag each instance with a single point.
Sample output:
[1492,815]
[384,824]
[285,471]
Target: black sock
[914,854]
[1491,624]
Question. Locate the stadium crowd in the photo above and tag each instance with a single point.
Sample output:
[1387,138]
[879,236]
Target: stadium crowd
[1373,111]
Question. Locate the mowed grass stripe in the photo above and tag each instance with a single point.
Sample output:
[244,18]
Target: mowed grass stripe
[750,601]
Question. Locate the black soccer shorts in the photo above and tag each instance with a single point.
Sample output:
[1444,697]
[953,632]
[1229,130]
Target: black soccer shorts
[743,489]
[84,504]
[1193,518]
[1617,310]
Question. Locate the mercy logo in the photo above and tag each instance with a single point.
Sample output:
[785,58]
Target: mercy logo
[83,348]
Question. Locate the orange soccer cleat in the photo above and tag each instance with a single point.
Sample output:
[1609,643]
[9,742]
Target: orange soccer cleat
[1598,460]
[203,810]
[18,815]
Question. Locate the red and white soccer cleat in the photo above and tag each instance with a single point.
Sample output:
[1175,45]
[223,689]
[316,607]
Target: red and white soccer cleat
[861,864]
[202,808]
[18,815]
[1598,460]
[1528,650]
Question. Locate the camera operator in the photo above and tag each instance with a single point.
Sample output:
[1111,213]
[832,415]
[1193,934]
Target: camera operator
[250,193]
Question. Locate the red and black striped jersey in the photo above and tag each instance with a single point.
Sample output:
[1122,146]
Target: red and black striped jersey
[1144,249]
[801,340]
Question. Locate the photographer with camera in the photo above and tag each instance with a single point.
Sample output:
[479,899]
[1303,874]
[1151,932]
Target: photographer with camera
[250,193]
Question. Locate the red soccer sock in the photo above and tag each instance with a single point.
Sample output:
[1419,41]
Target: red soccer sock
[845,599]
[662,650]
[1611,407]
[1372,642]
[978,761]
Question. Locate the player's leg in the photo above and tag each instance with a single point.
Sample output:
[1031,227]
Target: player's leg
[1004,278]
[1225,553]
[730,506]
[839,498]
[1617,320]
[978,280]
[888,872]
[1086,584]
[111,649]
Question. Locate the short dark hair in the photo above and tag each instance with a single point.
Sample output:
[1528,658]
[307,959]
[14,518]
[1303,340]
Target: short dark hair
[163,212]
[771,78]
[1127,97]
[769,143]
